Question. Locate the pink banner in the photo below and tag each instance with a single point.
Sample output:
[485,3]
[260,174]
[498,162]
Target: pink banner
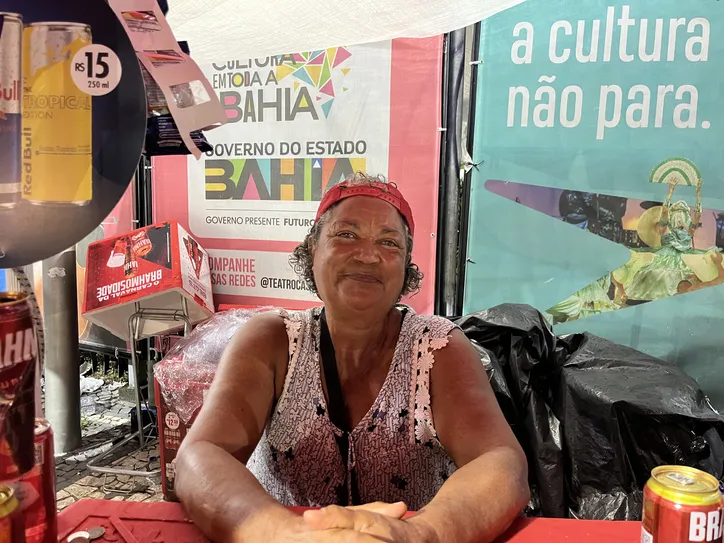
[298,123]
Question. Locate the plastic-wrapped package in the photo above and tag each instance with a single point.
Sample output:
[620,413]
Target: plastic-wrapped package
[188,369]
[593,417]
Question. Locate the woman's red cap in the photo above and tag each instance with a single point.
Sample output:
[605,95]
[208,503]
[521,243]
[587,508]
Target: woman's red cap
[387,192]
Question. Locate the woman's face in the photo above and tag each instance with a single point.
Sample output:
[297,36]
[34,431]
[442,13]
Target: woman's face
[360,260]
[679,219]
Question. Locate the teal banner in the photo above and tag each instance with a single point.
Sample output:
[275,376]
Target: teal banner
[598,190]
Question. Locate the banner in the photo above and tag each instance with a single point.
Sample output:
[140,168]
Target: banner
[297,124]
[598,192]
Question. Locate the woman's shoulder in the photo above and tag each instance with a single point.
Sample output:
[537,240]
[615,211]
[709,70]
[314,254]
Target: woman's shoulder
[433,326]
[301,317]
[298,322]
[278,319]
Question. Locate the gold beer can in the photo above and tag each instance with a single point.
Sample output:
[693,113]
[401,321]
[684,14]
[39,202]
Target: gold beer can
[57,134]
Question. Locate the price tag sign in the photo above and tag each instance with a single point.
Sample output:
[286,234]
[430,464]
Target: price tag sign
[96,70]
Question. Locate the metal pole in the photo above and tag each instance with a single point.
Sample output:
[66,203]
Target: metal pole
[468,140]
[62,356]
[143,197]
[134,327]
[451,189]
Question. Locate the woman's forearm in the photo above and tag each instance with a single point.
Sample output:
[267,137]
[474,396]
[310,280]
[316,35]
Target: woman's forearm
[223,498]
[479,501]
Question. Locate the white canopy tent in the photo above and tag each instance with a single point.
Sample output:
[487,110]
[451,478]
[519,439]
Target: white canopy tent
[242,29]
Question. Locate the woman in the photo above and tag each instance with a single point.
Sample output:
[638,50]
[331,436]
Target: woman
[337,404]
[662,275]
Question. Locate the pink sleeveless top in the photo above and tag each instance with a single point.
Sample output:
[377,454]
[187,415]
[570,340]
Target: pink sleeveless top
[394,450]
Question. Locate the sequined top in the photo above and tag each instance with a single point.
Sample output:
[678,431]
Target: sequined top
[394,450]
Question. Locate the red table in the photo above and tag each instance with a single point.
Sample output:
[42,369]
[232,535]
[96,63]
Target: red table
[131,522]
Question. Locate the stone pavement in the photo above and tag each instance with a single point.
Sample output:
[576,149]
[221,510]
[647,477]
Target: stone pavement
[104,422]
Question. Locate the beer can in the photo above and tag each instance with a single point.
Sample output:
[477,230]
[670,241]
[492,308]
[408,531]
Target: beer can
[681,505]
[35,491]
[11,43]
[57,135]
[18,360]
[141,245]
[130,266]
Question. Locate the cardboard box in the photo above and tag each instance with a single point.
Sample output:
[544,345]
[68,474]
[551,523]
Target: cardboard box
[158,266]
[171,432]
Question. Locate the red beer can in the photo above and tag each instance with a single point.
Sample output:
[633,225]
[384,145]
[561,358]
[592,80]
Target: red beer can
[682,505]
[35,490]
[130,267]
[141,245]
[18,360]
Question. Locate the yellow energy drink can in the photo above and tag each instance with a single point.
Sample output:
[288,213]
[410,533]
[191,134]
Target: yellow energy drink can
[57,134]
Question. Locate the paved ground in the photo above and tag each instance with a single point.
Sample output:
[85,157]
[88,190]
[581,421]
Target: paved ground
[106,420]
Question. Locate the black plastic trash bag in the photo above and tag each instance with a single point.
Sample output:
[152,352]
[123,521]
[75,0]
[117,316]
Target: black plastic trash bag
[521,347]
[593,417]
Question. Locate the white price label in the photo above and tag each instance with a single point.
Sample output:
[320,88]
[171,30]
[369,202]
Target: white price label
[173,421]
[96,70]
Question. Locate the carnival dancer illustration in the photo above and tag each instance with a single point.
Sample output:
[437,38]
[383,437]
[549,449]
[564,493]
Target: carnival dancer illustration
[671,255]
[668,264]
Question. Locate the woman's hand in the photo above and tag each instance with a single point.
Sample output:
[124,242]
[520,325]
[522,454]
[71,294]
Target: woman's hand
[298,531]
[365,520]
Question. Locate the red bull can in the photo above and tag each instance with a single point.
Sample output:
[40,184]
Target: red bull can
[11,43]
[57,131]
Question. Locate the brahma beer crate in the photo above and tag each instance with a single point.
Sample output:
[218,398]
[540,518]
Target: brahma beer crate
[159,267]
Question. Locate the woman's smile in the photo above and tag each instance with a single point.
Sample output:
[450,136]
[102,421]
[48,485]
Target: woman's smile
[363,278]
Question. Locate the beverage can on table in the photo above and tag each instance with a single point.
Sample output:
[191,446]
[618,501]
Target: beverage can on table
[11,44]
[35,491]
[57,131]
[18,360]
[682,505]
[11,526]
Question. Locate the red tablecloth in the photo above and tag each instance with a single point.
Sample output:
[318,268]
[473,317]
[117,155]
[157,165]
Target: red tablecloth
[131,522]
